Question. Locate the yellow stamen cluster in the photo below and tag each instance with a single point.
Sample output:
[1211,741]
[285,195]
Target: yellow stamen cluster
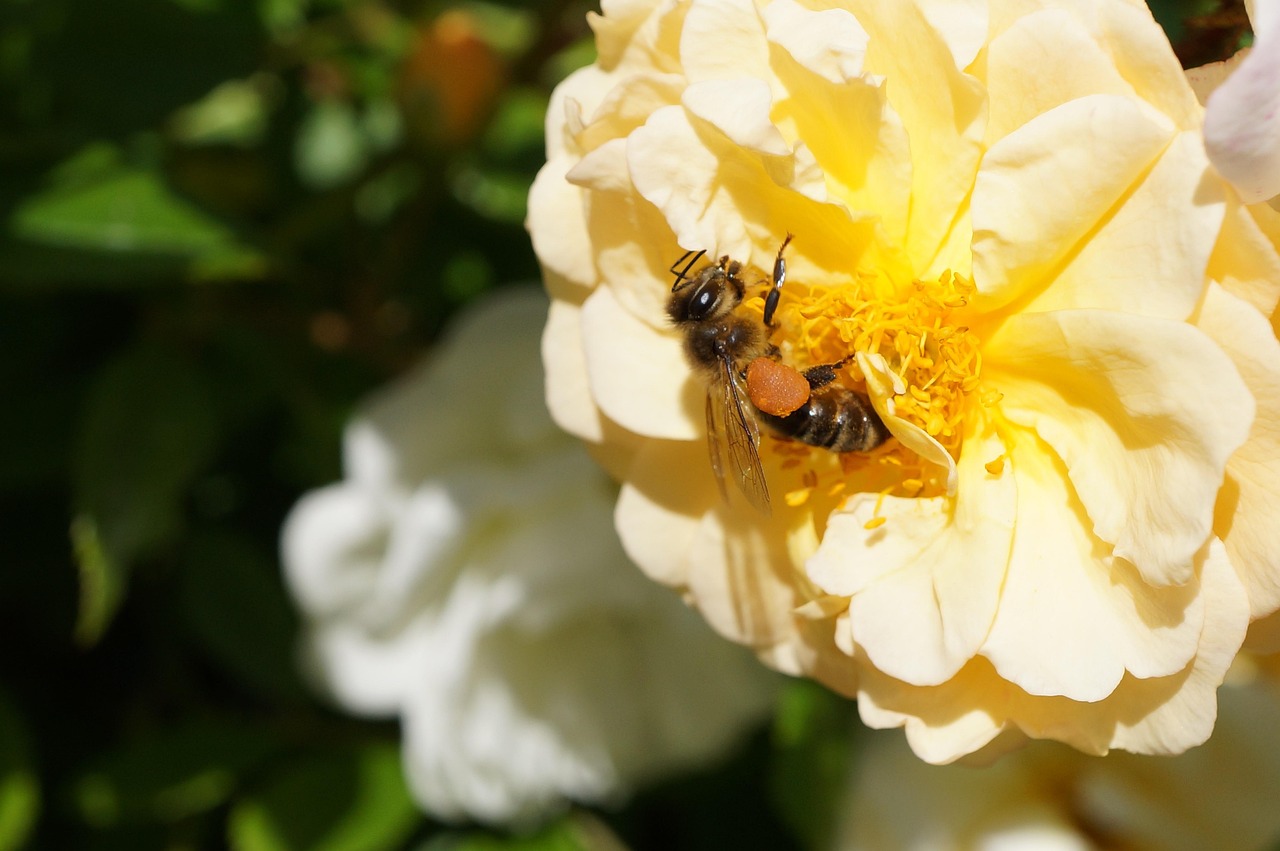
[919,329]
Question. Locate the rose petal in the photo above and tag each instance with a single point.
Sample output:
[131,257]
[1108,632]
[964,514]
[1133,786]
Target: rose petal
[882,385]
[741,577]
[1204,79]
[1143,55]
[898,803]
[962,24]
[1072,620]
[627,105]
[942,723]
[925,583]
[1019,237]
[637,34]
[976,711]
[332,545]
[579,93]
[1245,259]
[368,674]
[724,198]
[639,377]
[568,393]
[853,133]
[1043,60]
[723,39]
[740,110]
[557,225]
[829,42]
[661,507]
[404,433]
[1131,266]
[1242,120]
[1168,716]
[1245,514]
[637,271]
[943,111]
[1143,412]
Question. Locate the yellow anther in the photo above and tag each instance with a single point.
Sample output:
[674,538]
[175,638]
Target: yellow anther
[915,328]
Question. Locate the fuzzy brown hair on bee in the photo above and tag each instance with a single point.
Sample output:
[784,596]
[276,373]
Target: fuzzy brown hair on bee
[748,384]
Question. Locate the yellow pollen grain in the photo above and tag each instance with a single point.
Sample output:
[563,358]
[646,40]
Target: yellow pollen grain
[797,498]
[920,330]
[996,466]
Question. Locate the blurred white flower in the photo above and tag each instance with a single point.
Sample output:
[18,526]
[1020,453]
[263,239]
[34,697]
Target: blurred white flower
[1050,798]
[1242,115]
[466,576]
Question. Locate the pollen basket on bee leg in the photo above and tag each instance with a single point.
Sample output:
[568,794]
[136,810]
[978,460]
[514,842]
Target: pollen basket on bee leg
[776,388]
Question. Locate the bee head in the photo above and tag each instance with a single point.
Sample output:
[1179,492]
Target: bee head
[711,293]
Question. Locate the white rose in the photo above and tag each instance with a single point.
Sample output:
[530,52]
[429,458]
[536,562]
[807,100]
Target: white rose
[1242,114]
[466,576]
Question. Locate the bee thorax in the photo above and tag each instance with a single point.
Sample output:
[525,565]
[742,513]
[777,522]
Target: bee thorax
[712,343]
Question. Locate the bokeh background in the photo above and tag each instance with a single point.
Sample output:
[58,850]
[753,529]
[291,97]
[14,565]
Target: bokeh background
[222,223]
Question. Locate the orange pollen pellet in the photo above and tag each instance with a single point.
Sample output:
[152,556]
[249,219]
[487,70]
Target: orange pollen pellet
[776,388]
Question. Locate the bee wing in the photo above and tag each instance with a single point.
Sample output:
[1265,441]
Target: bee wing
[742,436]
[715,449]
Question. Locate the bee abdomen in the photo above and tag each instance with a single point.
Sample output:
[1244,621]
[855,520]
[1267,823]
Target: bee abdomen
[836,419]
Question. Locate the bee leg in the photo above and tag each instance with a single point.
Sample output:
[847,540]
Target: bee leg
[779,278]
[824,374]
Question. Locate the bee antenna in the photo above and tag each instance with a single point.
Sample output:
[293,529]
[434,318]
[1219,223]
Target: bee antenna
[682,273]
[779,278]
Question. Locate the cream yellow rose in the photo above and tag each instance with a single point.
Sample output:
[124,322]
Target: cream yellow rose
[1049,798]
[1005,224]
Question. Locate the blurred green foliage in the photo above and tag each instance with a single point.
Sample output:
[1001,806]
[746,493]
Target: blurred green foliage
[221,223]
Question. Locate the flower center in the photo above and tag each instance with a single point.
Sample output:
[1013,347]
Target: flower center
[919,329]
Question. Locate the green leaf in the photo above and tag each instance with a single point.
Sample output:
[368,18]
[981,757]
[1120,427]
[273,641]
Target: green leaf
[1172,14]
[102,580]
[146,433]
[517,127]
[496,194]
[170,774]
[332,801]
[813,734]
[19,788]
[233,602]
[234,113]
[99,202]
[331,147]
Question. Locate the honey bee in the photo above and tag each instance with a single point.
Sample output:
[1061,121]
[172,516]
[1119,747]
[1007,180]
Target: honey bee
[747,384]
